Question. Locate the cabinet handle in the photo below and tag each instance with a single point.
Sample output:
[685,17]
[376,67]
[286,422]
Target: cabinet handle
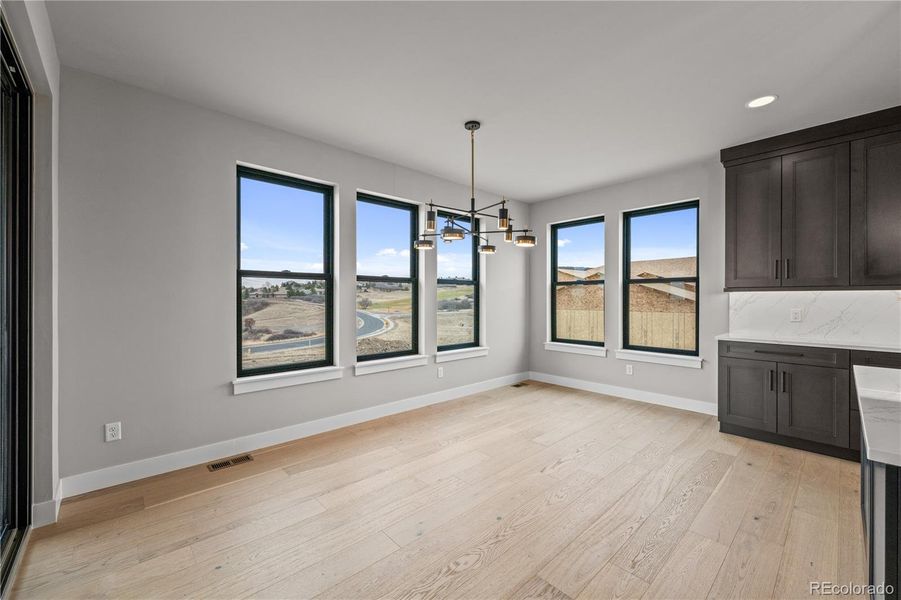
[780,353]
[783,381]
[772,379]
[777,269]
[787,267]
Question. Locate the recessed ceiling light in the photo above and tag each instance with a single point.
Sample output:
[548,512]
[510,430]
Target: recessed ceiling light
[762,101]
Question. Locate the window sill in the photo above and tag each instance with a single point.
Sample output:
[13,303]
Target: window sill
[390,364]
[461,354]
[661,358]
[271,381]
[576,348]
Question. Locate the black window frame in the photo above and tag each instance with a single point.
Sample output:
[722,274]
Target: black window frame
[475,283]
[17,298]
[327,275]
[412,280]
[555,228]
[627,274]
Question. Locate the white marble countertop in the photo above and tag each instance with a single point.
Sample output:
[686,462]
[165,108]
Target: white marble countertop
[879,391]
[819,343]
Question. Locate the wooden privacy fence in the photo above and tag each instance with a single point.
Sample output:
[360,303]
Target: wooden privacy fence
[580,325]
[662,329]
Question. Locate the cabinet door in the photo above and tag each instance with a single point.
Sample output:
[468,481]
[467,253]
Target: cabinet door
[815,206]
[753,230]
[813,404]
[876,210]
[747,394]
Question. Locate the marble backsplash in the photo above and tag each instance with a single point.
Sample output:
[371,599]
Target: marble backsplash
[864,317]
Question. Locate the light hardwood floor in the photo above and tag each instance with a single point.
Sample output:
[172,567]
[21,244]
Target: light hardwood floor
[530,492]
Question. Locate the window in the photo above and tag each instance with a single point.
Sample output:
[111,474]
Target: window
[284,273]
[387,278]
[16,326]
[458,288]
[660,281]
[577,282]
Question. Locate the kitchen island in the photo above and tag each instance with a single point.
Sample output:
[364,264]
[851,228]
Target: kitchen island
[879,393]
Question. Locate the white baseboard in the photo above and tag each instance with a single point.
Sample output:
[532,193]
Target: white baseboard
[697,406]
[46,513]
[117,474]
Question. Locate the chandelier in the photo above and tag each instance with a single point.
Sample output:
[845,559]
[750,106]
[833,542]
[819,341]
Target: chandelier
[454,231]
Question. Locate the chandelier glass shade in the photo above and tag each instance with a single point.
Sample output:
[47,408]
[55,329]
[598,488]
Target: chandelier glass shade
[452,234]
[525,241]
[454,231]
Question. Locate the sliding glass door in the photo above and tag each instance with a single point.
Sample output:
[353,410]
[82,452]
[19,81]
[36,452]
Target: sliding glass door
[15,309]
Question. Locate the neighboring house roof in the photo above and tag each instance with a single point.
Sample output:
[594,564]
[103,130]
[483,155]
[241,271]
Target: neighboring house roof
[645,269]
[665,267]
[579,274]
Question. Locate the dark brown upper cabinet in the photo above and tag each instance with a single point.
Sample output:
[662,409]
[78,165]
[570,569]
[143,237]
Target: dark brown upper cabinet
[818,208]
[815,217]
[753,224]
[876,210]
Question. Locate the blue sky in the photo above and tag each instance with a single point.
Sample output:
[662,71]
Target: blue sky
[665,235]
[383,240]
[581,246]
[455,259]
[661,235]
[281,228]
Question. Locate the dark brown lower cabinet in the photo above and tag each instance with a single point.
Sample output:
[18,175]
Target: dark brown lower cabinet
[747,393]
[813,404]
[796,396]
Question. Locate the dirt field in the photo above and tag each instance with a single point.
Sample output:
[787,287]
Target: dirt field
[280,357]
[277,321]
[455,314]
[281,314]
[396,308]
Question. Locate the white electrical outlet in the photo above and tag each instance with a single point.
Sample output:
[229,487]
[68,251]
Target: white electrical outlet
[440,372]
[628,369]
[112,431]
[795,315]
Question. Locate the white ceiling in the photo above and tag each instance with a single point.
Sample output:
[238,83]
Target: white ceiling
[571,95]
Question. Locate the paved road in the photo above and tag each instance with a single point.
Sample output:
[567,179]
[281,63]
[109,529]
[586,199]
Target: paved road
[367,324]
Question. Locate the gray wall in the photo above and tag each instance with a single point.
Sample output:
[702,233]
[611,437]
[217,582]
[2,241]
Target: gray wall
[704,181]
[147,268]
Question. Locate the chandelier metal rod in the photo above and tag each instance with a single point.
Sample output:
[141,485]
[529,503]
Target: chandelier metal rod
[472,166]
[480,234]
[460,210]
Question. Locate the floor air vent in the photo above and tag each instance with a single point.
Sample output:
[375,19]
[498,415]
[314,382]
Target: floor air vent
[229,462]
[520,384]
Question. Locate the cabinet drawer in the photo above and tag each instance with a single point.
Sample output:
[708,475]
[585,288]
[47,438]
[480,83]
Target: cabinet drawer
[868,358]
[783,353]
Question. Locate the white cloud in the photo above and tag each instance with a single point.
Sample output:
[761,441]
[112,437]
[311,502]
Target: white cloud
[562,243]
[405,252]
[386,252]
[244,247]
